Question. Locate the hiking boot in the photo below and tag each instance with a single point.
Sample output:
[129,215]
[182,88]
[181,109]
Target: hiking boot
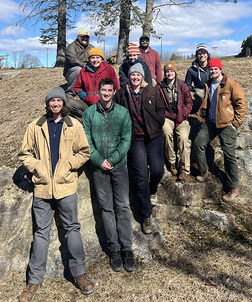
[116,261]
[230,196]
[85,285]
[202,177]
[174,171]
[29,292]
[182,177]
[128,261]
[153,199]
[147,225]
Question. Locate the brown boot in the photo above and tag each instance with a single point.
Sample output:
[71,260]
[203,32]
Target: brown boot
[202,177]
[174,171]
[182,177]
[230,196]
[86,286]
[29,292]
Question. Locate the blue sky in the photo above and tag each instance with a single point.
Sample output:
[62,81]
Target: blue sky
[219,24]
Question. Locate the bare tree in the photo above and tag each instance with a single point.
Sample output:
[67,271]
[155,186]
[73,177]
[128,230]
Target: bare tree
[56,16]
[30,61]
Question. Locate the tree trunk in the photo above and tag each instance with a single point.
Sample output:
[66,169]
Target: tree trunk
[61,41]
[147,25]
[124,30]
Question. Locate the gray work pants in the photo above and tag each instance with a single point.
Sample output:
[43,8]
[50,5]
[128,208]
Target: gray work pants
[112,190]
[227,136]
[43,210]
[71,77]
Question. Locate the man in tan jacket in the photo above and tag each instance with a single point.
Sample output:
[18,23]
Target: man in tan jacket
[222,112]
[53,149]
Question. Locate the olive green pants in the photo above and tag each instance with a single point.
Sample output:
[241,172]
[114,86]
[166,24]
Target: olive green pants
[227,136]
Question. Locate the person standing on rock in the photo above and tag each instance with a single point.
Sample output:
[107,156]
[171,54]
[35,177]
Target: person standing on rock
[75,59]
[196,77]
[151,58]
[108,129]
[53,149]
[177,99]
[146,154]
[222,112]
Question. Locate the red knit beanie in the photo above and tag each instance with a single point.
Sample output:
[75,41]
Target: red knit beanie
[215,63]
[133,49]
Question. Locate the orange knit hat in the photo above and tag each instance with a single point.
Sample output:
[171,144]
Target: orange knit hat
[96,52]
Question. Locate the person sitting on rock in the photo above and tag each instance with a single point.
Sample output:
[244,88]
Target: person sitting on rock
[53,149]
[133,57]
[88,81]
[222,112]
[178,104]
[108,129]
[75,59]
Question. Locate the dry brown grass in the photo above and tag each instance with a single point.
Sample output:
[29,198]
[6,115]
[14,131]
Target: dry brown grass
[197,262]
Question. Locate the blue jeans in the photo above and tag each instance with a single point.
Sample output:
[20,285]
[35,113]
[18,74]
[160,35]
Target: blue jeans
[43,210]
[112,190]
[144,152]
[227,136]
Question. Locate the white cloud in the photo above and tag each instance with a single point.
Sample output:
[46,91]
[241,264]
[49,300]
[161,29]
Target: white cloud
[9,10]
[30,44]
[13,31]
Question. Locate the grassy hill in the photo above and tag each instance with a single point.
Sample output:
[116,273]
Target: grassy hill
[196,262]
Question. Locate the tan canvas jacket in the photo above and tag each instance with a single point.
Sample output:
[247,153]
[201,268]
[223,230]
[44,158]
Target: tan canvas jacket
[35,156]
[231,103]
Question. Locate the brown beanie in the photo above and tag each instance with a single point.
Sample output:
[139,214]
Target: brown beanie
[170,66]
[95,52]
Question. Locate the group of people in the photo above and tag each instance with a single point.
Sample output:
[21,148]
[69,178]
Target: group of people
[119,125]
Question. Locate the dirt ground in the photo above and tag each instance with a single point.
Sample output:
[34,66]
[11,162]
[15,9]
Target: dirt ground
[197,262]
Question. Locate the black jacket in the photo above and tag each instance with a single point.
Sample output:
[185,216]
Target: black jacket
[124,69]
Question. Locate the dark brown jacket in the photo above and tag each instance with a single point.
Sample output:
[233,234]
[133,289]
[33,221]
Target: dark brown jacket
[152,106]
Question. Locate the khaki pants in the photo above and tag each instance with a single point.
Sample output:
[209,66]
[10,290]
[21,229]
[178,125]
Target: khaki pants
[183,144]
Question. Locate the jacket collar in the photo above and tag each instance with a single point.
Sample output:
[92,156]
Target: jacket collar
[43,118]
[222,83]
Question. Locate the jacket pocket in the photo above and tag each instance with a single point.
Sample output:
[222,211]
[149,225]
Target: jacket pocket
[64,173]
[40,175]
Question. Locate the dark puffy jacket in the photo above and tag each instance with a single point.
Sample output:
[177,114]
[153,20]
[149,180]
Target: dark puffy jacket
[88,81]
[108,135]
[124,69]
[184,105]
[196,75]
[152,107]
